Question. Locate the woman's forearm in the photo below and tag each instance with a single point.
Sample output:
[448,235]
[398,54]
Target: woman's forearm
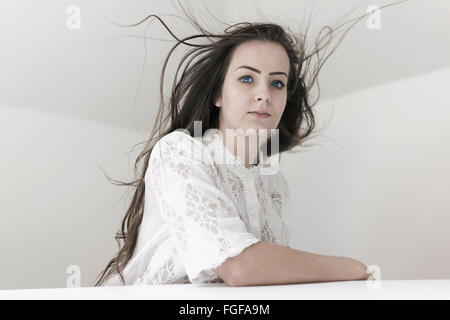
[270,264]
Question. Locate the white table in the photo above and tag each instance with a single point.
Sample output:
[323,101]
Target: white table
[360,290]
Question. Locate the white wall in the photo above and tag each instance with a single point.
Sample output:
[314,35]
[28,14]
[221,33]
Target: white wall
[375,186]
[57,208]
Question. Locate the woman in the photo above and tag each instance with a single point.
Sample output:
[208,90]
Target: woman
[198,219]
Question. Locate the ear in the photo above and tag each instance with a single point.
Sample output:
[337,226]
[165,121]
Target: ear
[218,102]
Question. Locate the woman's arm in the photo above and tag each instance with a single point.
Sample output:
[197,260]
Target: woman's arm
[270,264]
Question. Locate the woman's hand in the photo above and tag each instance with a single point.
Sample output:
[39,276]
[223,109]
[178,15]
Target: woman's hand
[361,271]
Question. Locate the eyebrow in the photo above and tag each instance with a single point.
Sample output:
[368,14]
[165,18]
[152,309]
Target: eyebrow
[258,71]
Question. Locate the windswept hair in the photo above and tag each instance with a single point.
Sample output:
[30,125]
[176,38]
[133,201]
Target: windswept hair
[194,93]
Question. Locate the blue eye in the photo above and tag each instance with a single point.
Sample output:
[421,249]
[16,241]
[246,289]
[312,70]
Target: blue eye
[244,77]
[280,86]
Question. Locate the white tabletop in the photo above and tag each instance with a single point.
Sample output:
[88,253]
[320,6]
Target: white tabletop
[360,290]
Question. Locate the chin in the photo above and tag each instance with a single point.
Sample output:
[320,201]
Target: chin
[260,131]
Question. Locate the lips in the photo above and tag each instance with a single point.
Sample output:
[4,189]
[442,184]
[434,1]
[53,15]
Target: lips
[260,113]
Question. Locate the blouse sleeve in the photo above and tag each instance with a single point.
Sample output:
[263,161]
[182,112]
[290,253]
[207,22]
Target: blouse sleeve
[287,211]
[203,223]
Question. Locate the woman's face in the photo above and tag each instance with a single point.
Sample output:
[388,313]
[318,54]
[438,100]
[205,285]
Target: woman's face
[256,80]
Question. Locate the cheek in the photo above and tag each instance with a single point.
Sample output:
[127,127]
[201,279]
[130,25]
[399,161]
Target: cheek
[233,94]
[281,106]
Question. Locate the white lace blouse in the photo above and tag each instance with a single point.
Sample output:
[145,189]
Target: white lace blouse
[199,211]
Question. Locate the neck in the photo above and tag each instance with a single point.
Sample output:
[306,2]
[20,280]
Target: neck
[244,146]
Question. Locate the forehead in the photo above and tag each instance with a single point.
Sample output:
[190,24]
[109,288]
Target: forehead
[263,55]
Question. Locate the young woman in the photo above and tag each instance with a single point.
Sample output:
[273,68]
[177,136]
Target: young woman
[217,217]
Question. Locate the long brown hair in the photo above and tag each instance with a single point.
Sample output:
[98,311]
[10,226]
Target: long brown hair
[193,95]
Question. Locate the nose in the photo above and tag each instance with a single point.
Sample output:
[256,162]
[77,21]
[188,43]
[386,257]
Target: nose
[263,95]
